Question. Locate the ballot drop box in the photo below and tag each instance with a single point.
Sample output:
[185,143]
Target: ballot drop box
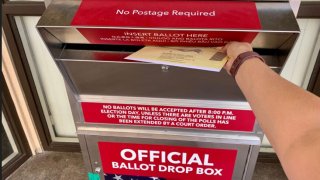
[140,120]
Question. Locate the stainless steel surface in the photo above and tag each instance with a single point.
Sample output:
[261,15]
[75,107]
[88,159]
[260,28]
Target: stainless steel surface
[68,34]
[74,104]
[276,18]
[200,133]
[251,162]
[279,32]
[84,150]
[109,54]
[166,102]
[163,134]
[93,128]
[271,40]
[96,54]
[59,13]
[148,80]
[165,139]
[54,45]
[101,52]
[108,77]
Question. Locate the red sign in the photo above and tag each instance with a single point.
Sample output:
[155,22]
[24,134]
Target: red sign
[179,23]
[167,14]
[169,116]
[169,162]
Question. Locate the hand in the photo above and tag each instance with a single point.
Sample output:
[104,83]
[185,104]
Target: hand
[233,50]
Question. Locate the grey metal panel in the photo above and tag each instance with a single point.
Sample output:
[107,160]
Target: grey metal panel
[251,162]
[85,153]
[161,134]
[68,34]
[80,54]
[73,54]
[277,16]
[257,133]
[240,165]
[166,102]
[149,80]
[53,44]
[107,55]
[271,40]
[277,20]
[59,13]
[74,104]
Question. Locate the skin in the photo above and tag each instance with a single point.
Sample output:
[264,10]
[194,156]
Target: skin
[288,115]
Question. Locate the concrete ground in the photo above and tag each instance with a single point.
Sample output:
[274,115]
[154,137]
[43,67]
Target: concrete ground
[69,166]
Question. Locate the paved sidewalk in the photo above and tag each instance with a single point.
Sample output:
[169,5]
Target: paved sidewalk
[69,166]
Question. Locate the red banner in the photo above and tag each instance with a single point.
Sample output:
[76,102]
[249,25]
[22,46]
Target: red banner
[167,14]
[169,116]
[158,22]
[168,162]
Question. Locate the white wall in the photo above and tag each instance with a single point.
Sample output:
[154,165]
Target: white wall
[300,58]
[49,81]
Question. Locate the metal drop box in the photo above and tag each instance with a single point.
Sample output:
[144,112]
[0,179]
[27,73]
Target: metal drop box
[239,152]
[138,115]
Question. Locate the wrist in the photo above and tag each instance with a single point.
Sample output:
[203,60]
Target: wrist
[249,70]
[237,63]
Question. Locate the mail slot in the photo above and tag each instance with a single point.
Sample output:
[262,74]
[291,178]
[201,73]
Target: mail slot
[94,68]
[137,119]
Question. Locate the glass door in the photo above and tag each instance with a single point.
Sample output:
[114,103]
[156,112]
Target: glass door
[15,147]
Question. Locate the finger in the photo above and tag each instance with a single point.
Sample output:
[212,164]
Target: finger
[224,49]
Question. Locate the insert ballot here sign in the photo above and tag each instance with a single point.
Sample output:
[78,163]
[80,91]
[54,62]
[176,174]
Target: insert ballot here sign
[169,116]
[167,162]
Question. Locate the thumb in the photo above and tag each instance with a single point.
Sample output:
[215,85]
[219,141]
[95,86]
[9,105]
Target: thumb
[225,48]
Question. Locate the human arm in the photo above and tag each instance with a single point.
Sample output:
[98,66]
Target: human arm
[288,115]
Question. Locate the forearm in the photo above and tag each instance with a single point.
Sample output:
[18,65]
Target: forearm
[294,111]
[288,115]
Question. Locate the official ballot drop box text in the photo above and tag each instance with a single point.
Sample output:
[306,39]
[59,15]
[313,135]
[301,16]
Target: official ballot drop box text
[142,120]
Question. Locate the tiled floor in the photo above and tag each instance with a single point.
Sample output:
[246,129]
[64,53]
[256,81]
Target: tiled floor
[69,166]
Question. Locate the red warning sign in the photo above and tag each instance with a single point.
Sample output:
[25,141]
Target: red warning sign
[169,116]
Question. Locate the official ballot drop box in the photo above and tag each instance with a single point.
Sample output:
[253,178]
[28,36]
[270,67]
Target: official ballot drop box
[151,121]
